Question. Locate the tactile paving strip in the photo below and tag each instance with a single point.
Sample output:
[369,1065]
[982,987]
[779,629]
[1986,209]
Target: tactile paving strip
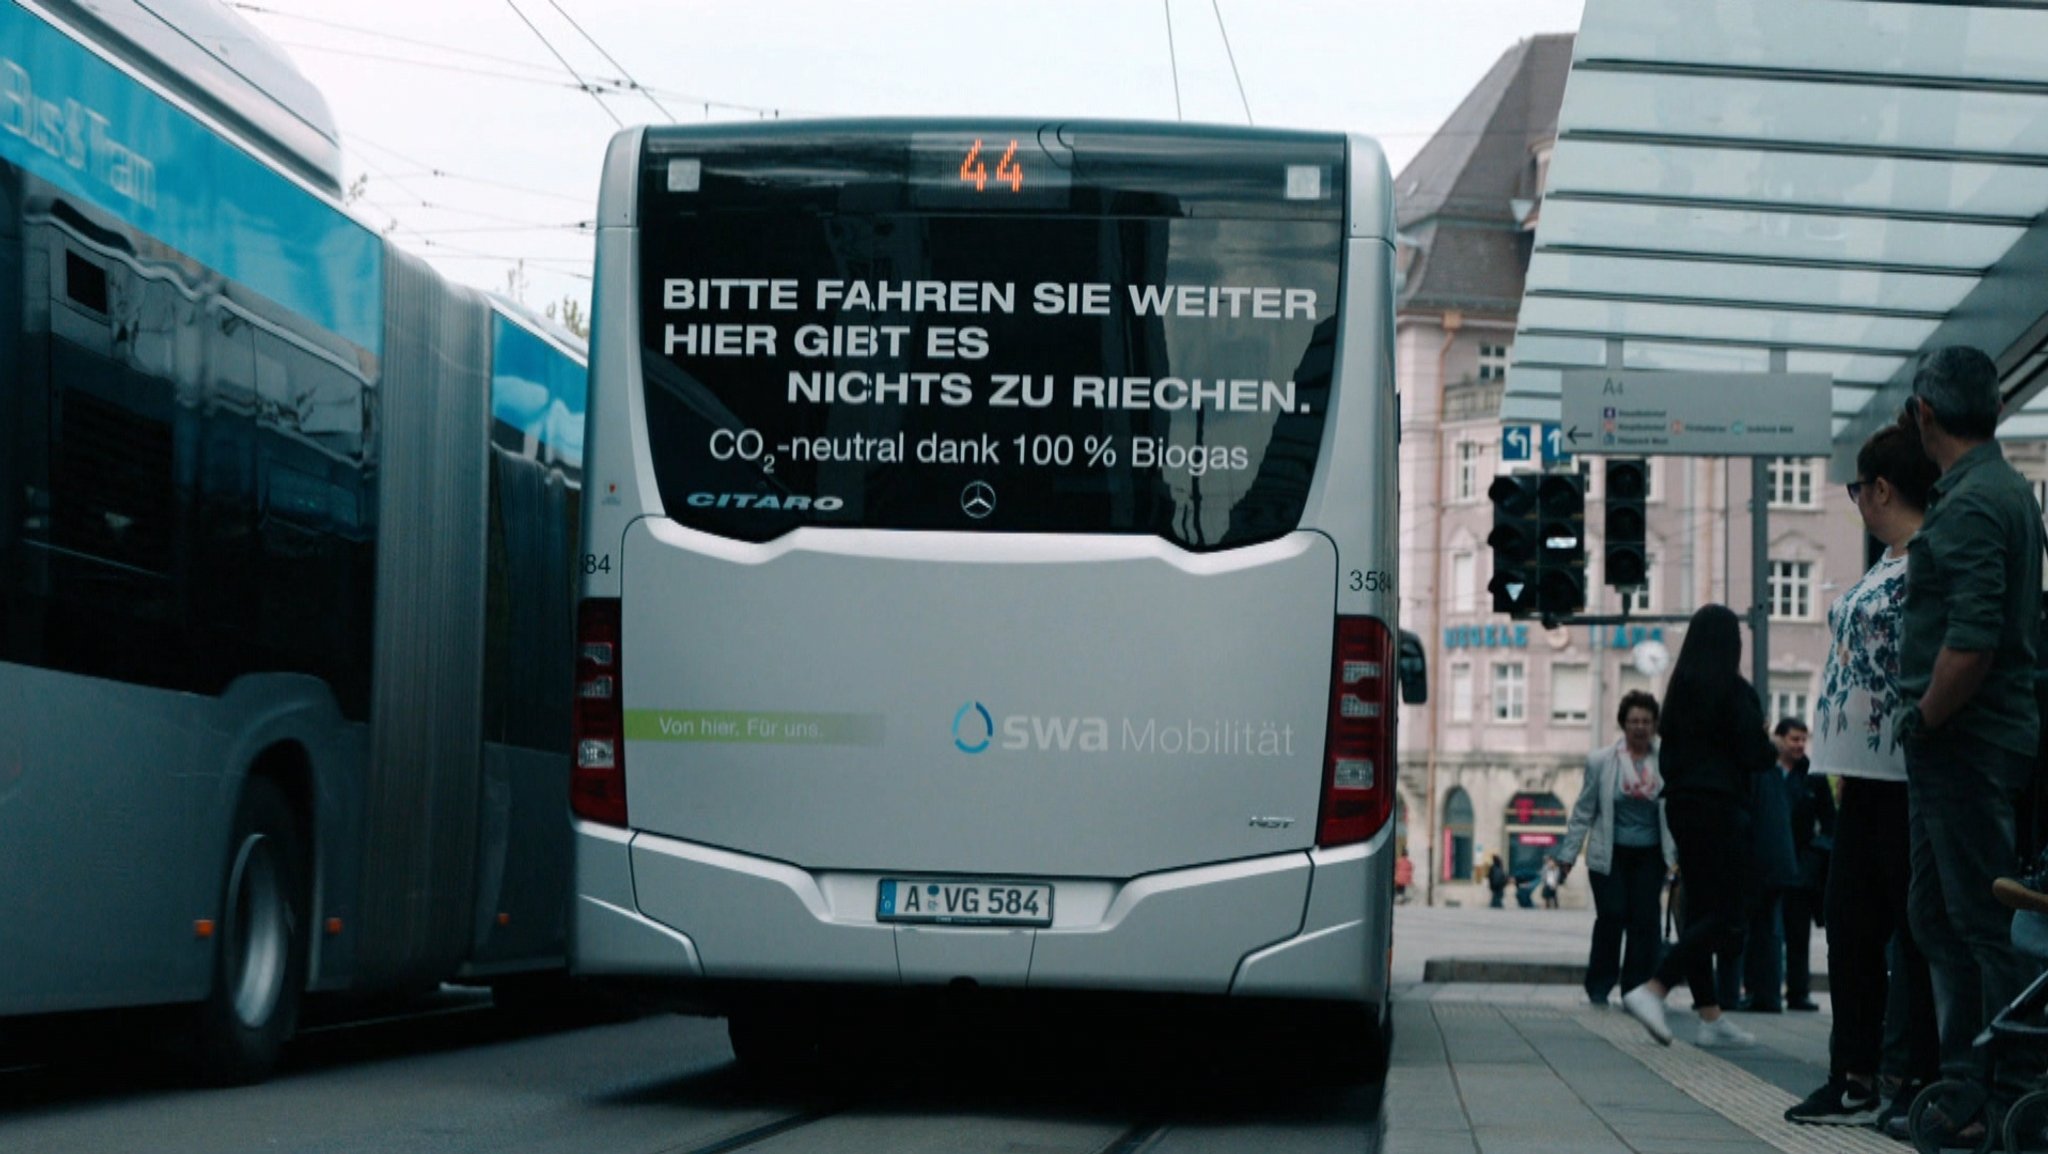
[1729,1090]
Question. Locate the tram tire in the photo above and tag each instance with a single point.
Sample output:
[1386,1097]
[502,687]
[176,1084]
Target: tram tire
[259,966]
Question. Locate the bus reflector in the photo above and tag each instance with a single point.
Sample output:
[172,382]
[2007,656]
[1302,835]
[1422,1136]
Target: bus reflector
[597,778]
[1358,757]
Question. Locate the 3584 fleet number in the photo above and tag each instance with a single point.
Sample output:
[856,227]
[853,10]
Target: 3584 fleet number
[1370,581]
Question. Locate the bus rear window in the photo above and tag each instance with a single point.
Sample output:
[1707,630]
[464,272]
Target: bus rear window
[833,337]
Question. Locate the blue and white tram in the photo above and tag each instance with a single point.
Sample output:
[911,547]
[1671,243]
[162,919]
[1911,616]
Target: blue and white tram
[286,534]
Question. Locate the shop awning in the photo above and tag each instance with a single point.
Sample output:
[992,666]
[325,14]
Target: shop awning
[1852,181]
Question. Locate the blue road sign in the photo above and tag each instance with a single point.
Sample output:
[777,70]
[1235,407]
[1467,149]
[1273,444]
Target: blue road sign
[1516,442]
[1554,450]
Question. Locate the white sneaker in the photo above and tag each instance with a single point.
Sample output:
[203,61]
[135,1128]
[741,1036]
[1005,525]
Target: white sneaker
[1722,1034]
[1648,1008]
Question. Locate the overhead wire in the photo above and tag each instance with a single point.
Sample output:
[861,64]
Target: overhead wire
[634,84]
[437,66]
[549,74]
[1217,7]
[550,45]
[584,227]
[378,34]
[443,174]
[1172,58]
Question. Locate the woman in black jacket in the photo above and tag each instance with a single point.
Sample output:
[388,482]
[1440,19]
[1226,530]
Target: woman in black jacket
[1714,740]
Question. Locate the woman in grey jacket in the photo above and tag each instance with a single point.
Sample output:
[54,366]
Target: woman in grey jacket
[1620,823]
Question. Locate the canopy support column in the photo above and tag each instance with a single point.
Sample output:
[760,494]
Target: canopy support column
[1760,568]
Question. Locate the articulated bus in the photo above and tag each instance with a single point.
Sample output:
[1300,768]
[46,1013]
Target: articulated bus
[988,573]
[287,529]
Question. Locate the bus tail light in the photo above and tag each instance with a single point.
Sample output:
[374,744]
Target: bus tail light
[597,777]
[1358,758]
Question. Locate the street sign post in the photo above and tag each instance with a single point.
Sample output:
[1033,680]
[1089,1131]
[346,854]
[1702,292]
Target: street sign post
[1633,414]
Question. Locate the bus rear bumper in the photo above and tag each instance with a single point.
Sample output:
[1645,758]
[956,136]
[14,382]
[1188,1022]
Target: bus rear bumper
[1300,925]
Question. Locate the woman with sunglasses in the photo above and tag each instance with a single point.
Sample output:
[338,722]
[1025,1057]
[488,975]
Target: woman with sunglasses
[1865,903]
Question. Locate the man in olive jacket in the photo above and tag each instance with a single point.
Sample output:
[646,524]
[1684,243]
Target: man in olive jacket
[1966,662]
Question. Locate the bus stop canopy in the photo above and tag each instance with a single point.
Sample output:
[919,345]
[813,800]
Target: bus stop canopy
[1851,181]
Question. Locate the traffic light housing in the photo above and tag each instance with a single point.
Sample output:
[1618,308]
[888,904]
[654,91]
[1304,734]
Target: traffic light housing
[1561,503]
[1625,558]
[1516,544]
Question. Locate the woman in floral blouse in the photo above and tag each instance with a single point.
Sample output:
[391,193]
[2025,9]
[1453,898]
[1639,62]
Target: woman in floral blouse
[1865,902]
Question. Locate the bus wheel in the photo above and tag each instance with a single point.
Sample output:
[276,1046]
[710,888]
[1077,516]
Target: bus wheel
[259,967]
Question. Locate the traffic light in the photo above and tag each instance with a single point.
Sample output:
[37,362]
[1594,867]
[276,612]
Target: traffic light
[1561,503]
[1515,543]
[1625,559]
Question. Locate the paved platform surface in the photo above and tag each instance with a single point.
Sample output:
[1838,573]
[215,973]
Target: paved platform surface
[1530,1067]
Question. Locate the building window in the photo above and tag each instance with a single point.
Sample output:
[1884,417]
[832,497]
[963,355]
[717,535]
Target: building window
[1639,600]
[1794,482]
[1790,697]
[1465,486]
[1464,582]
[1510,691]
[1461,691]
[1457,835]
[1571,693]
[1791,590]
[1493,363]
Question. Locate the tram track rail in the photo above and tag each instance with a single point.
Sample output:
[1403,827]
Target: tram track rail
[762,1133]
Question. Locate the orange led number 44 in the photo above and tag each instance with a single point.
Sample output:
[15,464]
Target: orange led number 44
[974,169]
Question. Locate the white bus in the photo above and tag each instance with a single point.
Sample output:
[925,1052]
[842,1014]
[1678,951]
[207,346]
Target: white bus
[287,529]
[989,573]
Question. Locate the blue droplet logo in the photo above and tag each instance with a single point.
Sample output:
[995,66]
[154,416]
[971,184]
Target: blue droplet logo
[963,728]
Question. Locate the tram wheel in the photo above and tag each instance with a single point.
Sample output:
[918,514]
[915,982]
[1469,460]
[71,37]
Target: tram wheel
[259,968]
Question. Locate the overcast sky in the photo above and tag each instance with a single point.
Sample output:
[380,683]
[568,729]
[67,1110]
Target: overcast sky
[478,148]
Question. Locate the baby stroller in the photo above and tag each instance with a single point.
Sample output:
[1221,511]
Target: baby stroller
[2021,1027]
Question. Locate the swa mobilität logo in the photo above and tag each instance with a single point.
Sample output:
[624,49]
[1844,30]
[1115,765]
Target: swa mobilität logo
[970,735]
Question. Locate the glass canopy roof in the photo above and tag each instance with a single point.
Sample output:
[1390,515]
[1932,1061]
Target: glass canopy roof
[1851,181]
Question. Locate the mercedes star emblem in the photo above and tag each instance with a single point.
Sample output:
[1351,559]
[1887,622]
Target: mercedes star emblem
[978,500]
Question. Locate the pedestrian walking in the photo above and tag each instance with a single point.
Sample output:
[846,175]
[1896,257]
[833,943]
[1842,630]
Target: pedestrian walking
[1404,877]
[1552,877]
[1619,822]
[1877,976]
[1714,745]
[1497,881]
[1969,725]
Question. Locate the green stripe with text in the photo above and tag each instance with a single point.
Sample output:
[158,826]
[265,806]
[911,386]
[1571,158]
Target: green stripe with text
[749,728]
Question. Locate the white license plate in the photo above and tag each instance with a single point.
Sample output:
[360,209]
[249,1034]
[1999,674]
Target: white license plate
[963,903]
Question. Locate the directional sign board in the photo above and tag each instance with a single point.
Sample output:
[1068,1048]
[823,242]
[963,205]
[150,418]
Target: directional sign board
[1555,450]
[1517,442]
[1633,413]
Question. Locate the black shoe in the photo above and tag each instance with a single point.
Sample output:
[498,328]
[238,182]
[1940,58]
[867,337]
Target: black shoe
[1839,1103]
[1752,1006]
[1803,1005]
